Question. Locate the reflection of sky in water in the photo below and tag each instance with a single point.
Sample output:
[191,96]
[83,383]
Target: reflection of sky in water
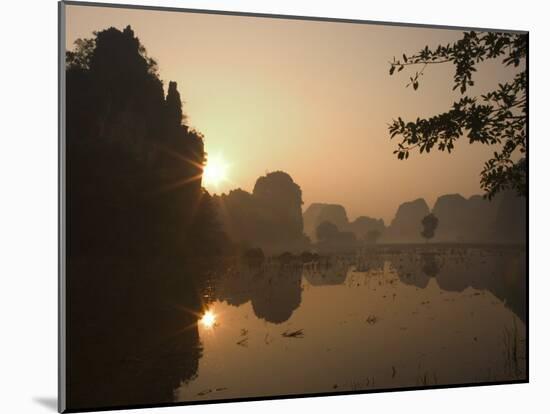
[384,320]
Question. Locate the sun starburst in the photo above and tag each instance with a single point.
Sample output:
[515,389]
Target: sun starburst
[215,171]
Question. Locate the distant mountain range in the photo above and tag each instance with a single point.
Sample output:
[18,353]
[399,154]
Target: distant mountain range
[271,218]
[477,220]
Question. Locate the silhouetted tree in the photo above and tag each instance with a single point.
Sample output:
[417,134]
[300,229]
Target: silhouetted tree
[326,231]
[498,117]
[429,224]
[173,105]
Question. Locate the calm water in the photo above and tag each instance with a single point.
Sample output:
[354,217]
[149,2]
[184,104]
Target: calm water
[394,317]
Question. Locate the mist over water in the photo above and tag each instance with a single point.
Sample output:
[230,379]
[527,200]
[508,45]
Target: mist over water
[387,317]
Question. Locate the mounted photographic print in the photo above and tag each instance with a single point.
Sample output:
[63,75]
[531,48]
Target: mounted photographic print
[262,206]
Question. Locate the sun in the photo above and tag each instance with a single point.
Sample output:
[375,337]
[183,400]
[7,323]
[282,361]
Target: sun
[215,171]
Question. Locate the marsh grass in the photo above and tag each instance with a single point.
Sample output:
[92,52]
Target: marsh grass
[511,349]
[427,379]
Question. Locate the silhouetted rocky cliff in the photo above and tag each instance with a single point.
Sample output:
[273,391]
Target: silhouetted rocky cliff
[474,220]
[363,225]
[464,220]
[270,217]
[502,219]
[133,164]
[317,213]
[510,224]
[336,214]
[406,225]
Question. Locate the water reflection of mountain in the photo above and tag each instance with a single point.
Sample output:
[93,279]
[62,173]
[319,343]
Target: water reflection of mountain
[332,273]
[134,340]
[501,271]
[274,290]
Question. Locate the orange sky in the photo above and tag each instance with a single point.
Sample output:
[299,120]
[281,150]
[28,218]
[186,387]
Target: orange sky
[309,98]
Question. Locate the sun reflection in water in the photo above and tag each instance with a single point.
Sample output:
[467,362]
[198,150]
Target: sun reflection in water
[208,320]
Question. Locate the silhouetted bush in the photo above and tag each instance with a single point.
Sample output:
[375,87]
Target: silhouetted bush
[429,223]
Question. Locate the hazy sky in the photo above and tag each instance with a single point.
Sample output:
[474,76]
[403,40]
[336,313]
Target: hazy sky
[310,98]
